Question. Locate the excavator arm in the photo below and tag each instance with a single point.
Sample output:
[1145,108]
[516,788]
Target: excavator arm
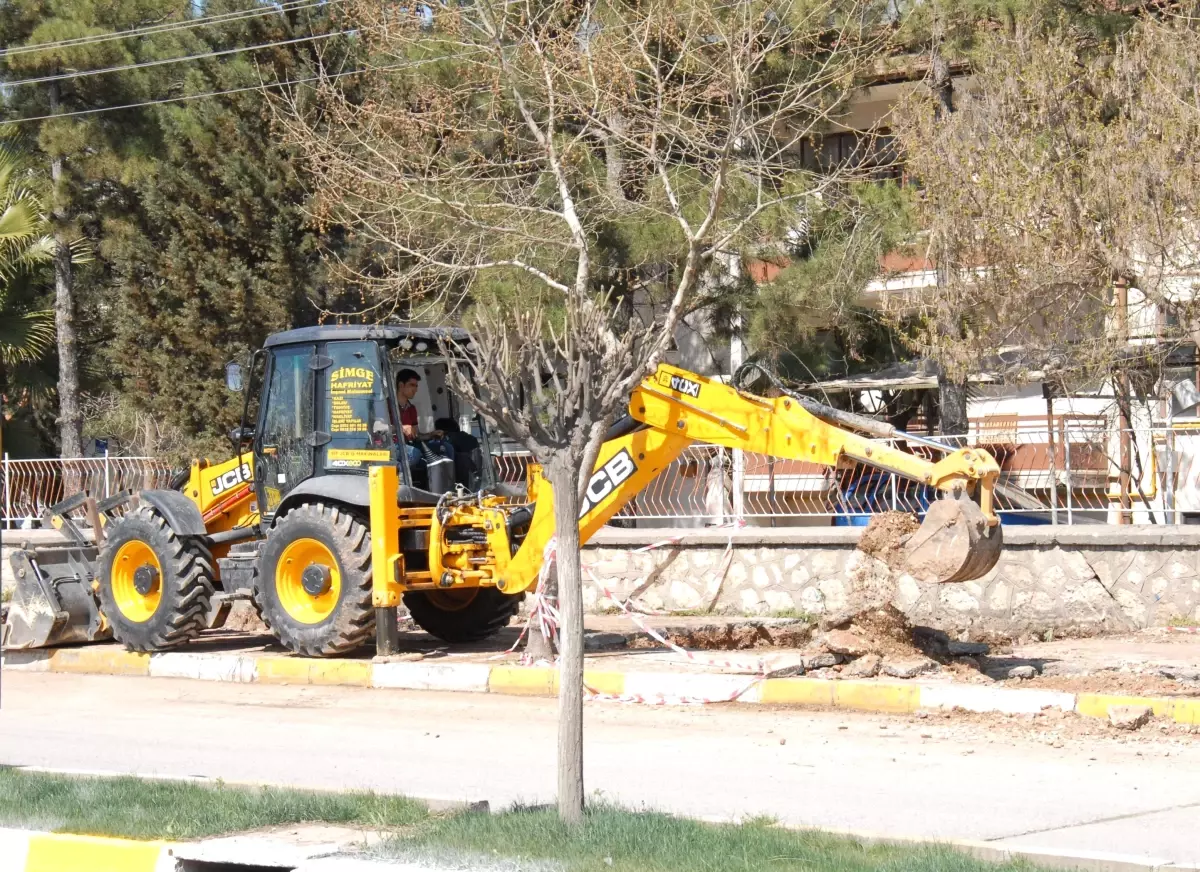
[677,401]
[959,539]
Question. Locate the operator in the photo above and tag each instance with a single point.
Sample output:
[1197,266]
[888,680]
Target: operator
[408,382]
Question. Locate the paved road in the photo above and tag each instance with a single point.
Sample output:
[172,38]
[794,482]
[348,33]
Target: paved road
[893,775]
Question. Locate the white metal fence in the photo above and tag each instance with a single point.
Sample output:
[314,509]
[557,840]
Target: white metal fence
[31,486]
[1074,472]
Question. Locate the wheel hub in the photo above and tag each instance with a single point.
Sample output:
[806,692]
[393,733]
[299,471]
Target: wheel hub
[316,579]
[145,579]
[308,580]
[135,580]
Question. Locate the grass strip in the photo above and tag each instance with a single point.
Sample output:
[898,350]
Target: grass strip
[611,839]
[177,810]
[615,840]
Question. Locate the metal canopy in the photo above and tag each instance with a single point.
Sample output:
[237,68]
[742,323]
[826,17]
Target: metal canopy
[378,332]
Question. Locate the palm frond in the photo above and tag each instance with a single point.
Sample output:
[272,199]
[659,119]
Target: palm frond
[36,383]
[19,222]
[25,336]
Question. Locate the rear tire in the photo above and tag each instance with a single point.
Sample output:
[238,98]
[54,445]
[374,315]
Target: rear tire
[469,619]
[334,547]
[171,607]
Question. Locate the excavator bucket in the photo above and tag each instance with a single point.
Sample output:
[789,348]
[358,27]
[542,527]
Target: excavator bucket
[954,543]
[52,603]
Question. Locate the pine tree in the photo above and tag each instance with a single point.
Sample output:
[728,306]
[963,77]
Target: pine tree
[85,159]
[220,252]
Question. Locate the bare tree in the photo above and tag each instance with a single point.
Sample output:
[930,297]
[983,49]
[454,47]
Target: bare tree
[498,152]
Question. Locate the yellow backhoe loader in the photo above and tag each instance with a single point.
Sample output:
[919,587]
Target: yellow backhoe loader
[329,520]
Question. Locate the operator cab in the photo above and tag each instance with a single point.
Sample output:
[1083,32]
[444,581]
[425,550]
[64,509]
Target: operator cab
[451,435]
[330,407]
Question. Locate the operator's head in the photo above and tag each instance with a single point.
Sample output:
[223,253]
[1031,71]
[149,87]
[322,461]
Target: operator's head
[407,384]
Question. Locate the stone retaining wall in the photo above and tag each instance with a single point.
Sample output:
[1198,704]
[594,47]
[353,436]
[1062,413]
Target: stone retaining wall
[1066,579]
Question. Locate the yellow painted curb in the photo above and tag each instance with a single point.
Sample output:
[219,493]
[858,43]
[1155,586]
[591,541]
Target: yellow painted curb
[103,661]
[858,695]
[1096,705]
[877,697]
[51,852]
[611,683]
[306,670]
[796,691]
[1185,711]
[523,680]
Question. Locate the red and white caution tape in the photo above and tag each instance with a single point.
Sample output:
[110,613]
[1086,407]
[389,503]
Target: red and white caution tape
[763,667]
[542,610]
[723,569]
[661,544]
[545,614]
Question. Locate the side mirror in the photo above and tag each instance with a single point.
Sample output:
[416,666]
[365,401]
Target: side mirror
[239,436]
[233,376]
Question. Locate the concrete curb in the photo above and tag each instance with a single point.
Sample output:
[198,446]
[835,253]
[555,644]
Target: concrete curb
[22,851]
[867,696]
[543,681]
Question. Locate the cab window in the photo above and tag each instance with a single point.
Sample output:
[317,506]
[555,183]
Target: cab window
[356,413]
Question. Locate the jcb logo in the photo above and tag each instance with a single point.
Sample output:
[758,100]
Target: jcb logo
[607,479]
[685,386]
[231,479]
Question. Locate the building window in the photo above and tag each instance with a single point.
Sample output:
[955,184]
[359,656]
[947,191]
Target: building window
[874,151]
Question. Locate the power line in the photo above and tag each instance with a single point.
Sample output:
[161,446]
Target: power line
[58,77]
[187,97]
[169,27]
[184,98]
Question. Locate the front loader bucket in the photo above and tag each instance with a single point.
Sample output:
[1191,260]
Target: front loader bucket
[53,602]
[954,543]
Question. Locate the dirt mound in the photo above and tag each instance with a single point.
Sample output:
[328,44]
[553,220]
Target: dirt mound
[1110,681]
[886,534]
[734,636]
[244,619]
[884,630]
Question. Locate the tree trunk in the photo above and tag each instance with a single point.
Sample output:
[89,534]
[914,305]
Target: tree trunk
[70,418]
[952,402]
[1125,418]
[940,81]
[614,157]
[564,479]
[952,395]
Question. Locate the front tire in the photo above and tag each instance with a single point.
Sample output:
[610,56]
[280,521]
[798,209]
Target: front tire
[463,615]
[154,587]
[313,586]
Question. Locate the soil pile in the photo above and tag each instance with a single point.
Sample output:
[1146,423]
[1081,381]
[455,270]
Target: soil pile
[885,536]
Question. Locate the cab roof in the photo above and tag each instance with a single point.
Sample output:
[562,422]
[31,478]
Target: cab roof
[392,334]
